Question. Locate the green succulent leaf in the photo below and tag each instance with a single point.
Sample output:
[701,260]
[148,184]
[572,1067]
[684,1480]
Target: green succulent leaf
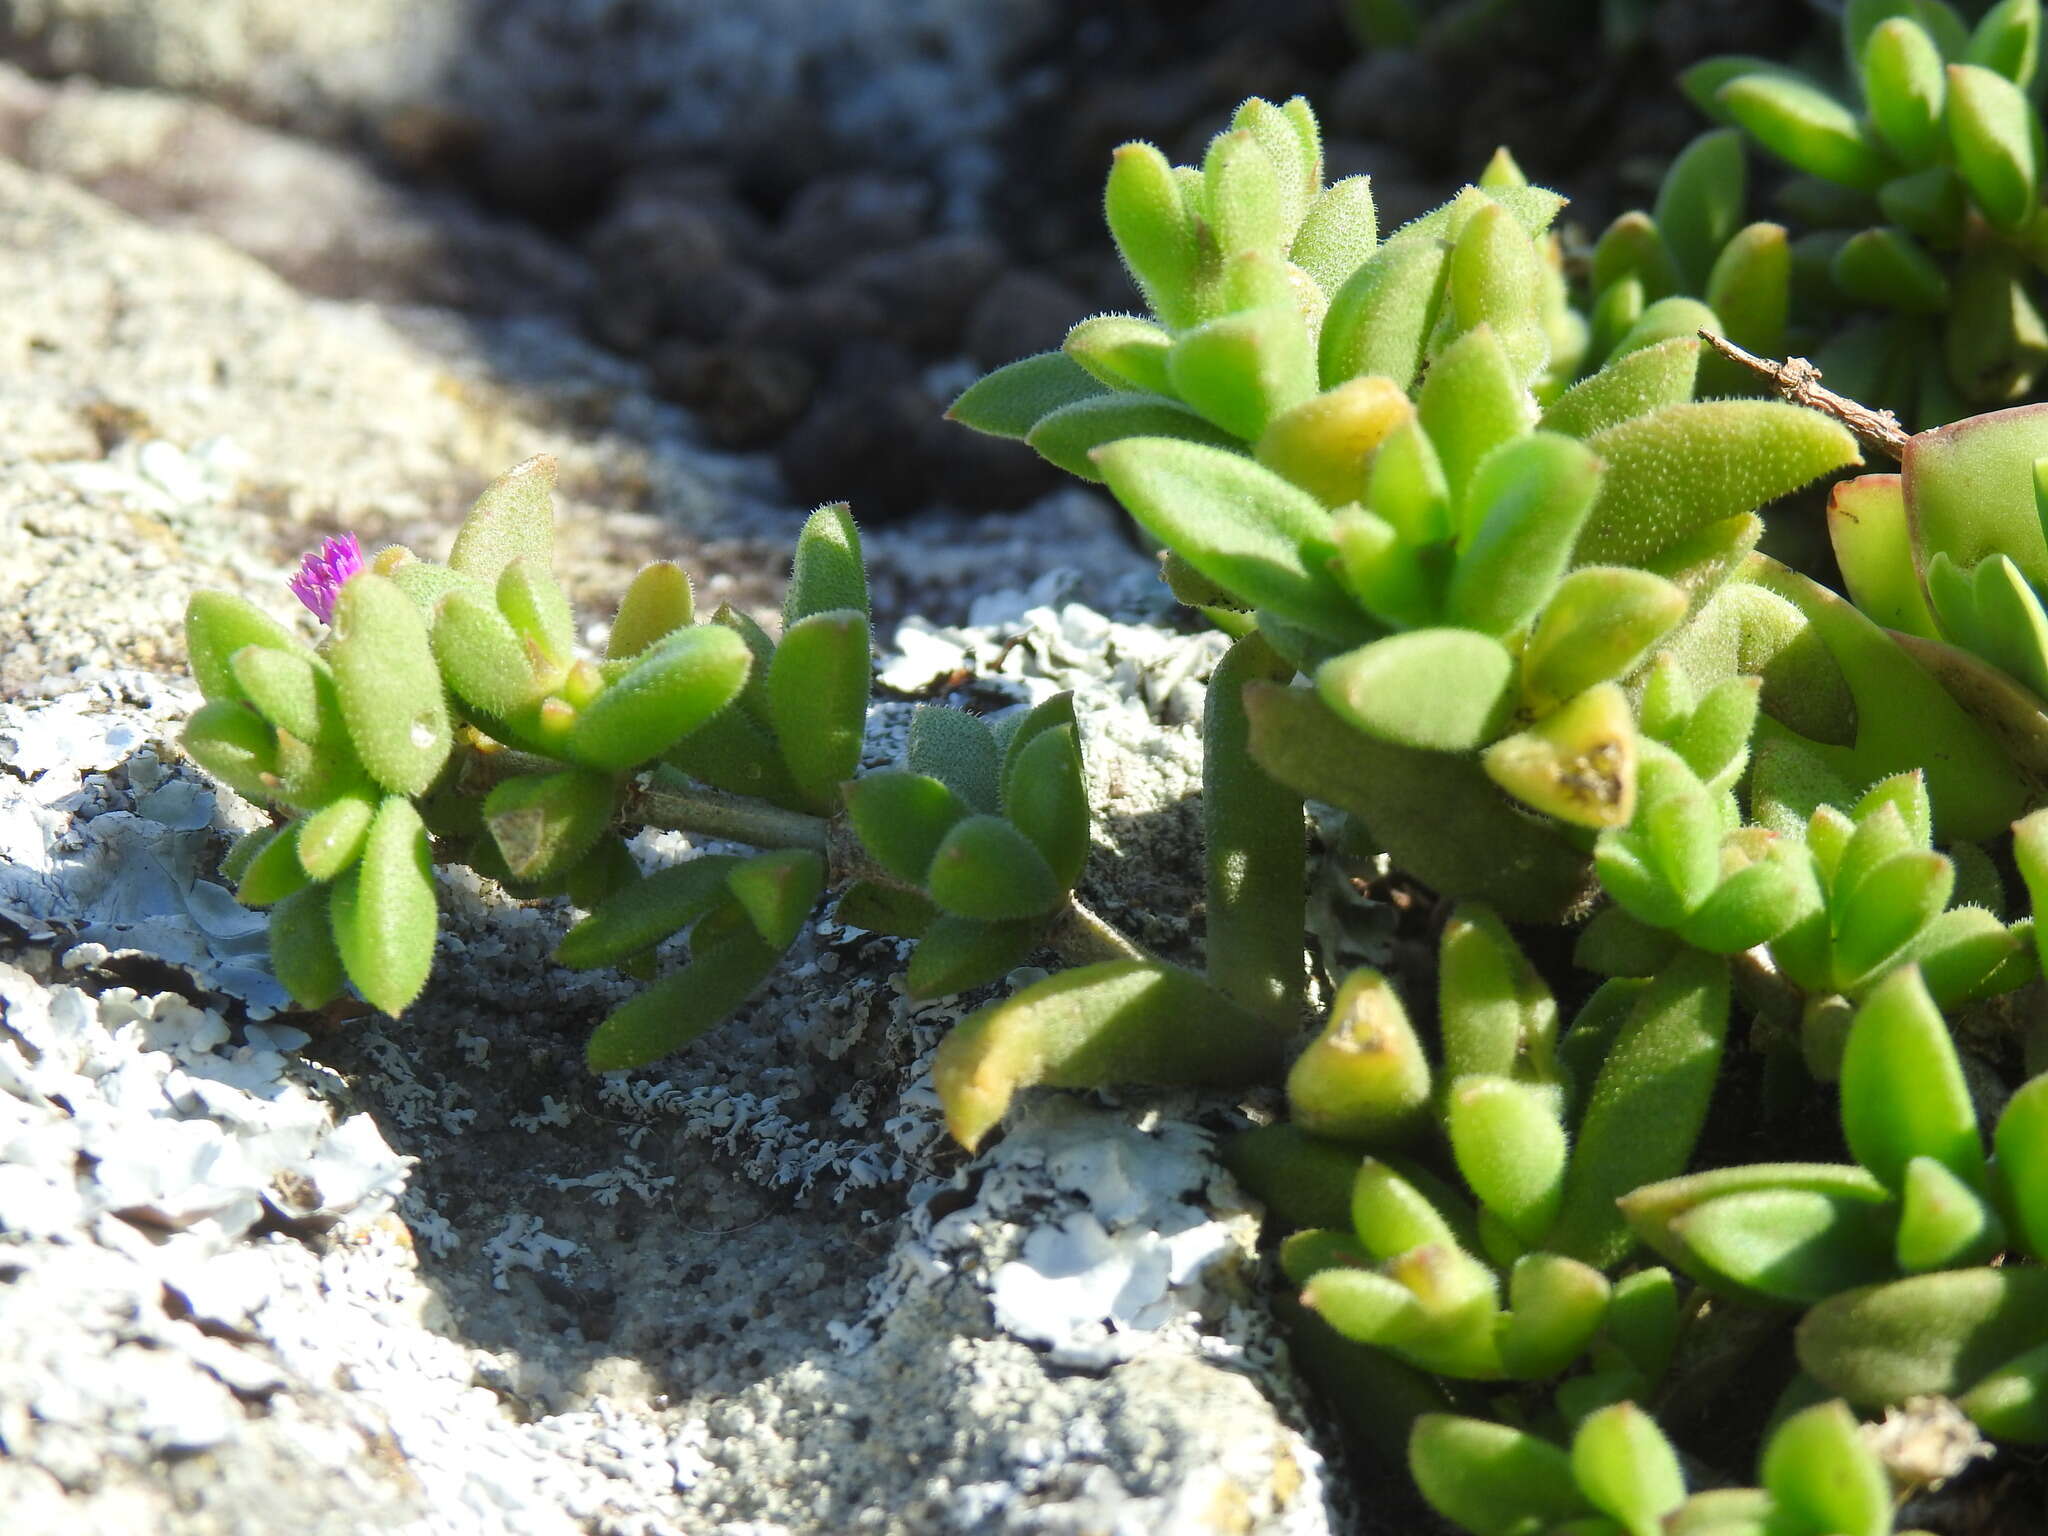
[544,823]
[1646,1107]
[1440,690]
[1241,370]
[826,575]
[673,688]
[957,953]
[1237,523]
[1942,1332]
[331,839]
[1903,1094]
[1699,205]
[1492,1479]
[1675,470]
[1795,1246]
[2022,1146]
[382,910]
[513,519]
[1338,234]
[901,818]
[1018,396]
[482,657]
[1599,624]
[958,749]
[1904,82]
[988,870]
[638,916]
[302,952]
[236,745]
[275,872]
[1523,511]
[1380,320]
[877,907]
[1805,127]
[1364,1078]
[1626,1467]
[682,1005]
[1944,1223]
[1822,1473]
[218,625]
[1993,132]
[657,603]
[818,689]
[1627,387]
[1437,815]
[388,685]
[1047,801]
[1121,351]
[777,890]
[2008,40]
[1120,1021]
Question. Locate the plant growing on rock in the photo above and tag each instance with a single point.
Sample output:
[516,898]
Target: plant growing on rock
[447,714]
[1506,619]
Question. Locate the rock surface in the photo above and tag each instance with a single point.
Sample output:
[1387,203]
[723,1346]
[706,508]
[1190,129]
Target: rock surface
[750,1290]
[537,94]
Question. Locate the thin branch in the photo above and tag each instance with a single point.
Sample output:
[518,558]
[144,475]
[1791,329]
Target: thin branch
[735,818]
[1798,381]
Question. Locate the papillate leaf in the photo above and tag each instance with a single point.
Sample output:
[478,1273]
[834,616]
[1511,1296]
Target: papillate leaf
[514,518]
[1491,1479]
[1441,690]
[778,889]
[1364,1078]
[382,910]
[1016,397]
[657,602]
[542,824]
[217,625]
[818,687]
[639,916]
[672,689]
[388,685]
[682,1005]
[1677,469]
[1646,1106]
[302,952]
[988,870]
[958,749]
[956,953]
[1117,1022]
[331,838]
[1237,523]
[826,574]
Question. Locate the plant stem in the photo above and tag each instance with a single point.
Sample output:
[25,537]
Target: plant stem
[734,818]
[1079,935]
[1798,381]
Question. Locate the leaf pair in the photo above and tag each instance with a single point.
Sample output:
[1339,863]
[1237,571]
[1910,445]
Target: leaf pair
[987,828]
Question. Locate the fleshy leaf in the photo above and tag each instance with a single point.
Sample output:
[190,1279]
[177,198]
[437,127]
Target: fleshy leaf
[514,518]
[382,910]
[1121,1021]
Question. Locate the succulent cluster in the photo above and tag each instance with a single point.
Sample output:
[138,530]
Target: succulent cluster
[447,715]
[1917,281]
[1491,576]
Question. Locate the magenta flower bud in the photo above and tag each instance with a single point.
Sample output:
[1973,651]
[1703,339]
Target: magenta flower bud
[322,573]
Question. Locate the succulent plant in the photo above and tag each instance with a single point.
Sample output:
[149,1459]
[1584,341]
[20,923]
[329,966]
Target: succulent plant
[1917,283]
[1491,579]
[447,714]
[1338,439]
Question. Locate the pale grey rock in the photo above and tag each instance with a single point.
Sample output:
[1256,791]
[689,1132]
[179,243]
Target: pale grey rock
[317,215]
[537,88]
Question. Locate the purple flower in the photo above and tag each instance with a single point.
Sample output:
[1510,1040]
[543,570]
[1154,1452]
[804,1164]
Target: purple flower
[322,573]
